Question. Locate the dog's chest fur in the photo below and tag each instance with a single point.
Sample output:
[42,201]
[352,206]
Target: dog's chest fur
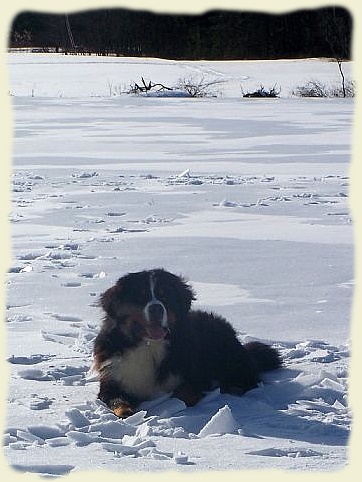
[137,369]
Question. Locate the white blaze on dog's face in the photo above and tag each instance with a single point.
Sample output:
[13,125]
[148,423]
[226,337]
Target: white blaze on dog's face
[155,313]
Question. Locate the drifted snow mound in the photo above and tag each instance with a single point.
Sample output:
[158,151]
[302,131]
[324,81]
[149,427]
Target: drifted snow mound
[221,423]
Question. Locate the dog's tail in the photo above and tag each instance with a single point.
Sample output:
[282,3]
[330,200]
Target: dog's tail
[264,356]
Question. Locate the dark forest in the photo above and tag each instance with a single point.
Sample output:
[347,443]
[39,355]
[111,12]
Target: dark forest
[218,35]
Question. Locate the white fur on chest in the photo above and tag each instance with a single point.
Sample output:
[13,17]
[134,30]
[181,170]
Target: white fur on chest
[137,370]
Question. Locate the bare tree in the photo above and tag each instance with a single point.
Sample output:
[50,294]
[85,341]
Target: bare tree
[337,36]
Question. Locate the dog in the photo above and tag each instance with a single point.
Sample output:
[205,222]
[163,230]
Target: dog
[151,343]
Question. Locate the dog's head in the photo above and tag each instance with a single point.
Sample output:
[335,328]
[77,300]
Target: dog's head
[147,304]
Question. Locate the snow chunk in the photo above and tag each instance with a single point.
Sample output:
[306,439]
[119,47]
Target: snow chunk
[227,204]
[85,175]
[185,173]
[221,423]
[29,437]
[76,418]
[180,458]
[137,418]
[31,255]
[137,442]
[155,454]
[165,408]
[82,438]
[45,431]
[119,448]
[113,429]
[57,441]
[33,374]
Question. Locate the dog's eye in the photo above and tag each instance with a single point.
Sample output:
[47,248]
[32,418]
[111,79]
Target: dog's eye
[161,294]
[141,296]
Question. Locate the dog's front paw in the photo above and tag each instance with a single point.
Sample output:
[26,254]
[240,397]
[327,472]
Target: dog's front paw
[122,410]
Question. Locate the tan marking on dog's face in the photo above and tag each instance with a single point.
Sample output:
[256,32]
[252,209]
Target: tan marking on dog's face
[129,319]
[132,323]
[172,319]
[135,327]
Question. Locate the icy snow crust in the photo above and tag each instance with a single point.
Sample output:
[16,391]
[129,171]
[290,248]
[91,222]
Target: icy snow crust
[246,198]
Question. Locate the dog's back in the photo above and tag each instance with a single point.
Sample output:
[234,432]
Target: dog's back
[211,354]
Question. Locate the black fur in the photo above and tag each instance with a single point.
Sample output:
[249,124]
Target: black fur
[200,348]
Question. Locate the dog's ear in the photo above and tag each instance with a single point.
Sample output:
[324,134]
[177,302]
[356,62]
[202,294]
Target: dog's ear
[109,299]
[184,293]
[188,295]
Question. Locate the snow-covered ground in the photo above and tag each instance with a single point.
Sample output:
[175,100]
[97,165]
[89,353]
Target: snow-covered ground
[247,198]
[57,75]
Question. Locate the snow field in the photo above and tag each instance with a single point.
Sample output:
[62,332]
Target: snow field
[246,199]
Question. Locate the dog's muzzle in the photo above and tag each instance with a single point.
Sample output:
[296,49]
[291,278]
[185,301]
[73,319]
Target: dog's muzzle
[155,315]
[155,312]
[156,320]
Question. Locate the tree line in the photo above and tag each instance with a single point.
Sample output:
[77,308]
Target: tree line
[215,35]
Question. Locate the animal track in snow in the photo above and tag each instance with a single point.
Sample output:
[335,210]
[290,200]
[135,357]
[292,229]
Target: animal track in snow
[70,318]
[71,284]
[49,470]
[65,374]
[36,402]
[91,275]
[65,338]
[31,255]
[115,214]
[29,360]
[273,452]
[126,230]
[18,318]
[33,374]
[85,174]
[20,269]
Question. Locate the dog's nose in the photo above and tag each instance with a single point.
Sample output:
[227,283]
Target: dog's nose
[156,312]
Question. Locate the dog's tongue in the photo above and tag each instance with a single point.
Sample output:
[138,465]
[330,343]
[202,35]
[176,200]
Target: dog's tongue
[155,331]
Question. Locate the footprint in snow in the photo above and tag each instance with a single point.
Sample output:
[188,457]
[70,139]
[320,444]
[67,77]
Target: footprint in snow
[69,375]
[66,338]
[125,230]
[36,402]
[273,452]
[46,469]
[18,317]
[116,214]
[34,374]
[84,174]
[71,284]
[31,255]
[28,360]
[20,269]
[70,318]
[91,275]
[66,374]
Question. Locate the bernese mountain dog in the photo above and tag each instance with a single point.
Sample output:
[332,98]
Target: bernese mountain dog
[152,343]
